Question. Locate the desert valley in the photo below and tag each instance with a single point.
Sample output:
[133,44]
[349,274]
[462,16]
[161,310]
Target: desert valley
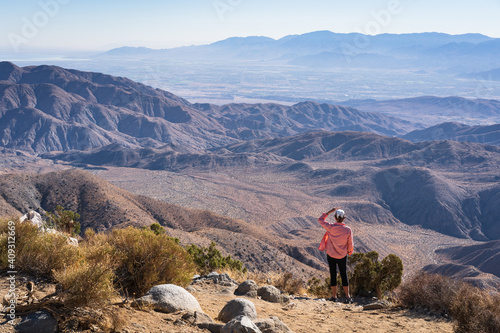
[252,161]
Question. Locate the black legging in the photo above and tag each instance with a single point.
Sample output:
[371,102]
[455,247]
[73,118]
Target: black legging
[342,263]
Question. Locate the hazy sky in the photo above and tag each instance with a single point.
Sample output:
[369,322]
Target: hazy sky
[98,25]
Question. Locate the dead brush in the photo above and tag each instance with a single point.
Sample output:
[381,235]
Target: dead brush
[39,253]
[471,308]
[284,281]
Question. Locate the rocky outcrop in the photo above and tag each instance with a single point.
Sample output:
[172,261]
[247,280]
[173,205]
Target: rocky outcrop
[36,219]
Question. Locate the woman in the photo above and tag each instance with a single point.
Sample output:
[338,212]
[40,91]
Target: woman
[337,243]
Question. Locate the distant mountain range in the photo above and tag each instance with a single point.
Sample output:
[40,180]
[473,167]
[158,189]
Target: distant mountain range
[48,108]
[468,52]
[491,75]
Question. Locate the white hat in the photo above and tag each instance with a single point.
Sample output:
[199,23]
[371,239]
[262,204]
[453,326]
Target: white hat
[339,213]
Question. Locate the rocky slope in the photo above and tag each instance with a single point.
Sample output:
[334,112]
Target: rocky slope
[457,132]
[478,264]
[103,206]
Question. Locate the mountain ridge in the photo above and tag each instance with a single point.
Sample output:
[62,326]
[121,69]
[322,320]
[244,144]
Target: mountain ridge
[43,107]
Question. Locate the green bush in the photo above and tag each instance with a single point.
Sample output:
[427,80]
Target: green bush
[322,290]
[369,275]
[65,220]
[157,228]
[209,259]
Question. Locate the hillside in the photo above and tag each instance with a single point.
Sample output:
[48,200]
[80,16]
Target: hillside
[48,108]
[457,132]
[103,206]
[409,180]
[478,264]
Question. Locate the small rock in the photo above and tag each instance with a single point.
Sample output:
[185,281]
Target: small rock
[196,317]
[240,324]
[212,327]
[40,322]
[377,305]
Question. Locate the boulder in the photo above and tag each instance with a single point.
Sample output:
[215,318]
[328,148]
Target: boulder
[272,325]
[238,307]
[169,298]
[271,294]
[40,322]
[247,288]
[240,324]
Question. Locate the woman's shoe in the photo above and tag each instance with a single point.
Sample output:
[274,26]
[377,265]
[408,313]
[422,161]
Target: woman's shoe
[348,300]
[332,299]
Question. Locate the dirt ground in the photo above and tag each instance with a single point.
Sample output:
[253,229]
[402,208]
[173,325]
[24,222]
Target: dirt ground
[300,315]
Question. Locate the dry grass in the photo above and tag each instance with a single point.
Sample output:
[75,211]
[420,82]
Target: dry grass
[284,281]
[472,309]
[131,259]
[38,253]
[433,292]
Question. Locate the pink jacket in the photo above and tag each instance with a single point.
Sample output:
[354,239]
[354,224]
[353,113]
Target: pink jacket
[340,242]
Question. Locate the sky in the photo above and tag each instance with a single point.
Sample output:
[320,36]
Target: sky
[99,25]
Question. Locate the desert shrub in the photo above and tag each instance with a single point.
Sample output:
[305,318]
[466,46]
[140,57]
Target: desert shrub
[369,275]
[431,291]
[146,259]
[209,259]
[87,282]
[475,310]
[316,287]
[471,308]
[289,284]
[90,281]
[64,220]
[38,253]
